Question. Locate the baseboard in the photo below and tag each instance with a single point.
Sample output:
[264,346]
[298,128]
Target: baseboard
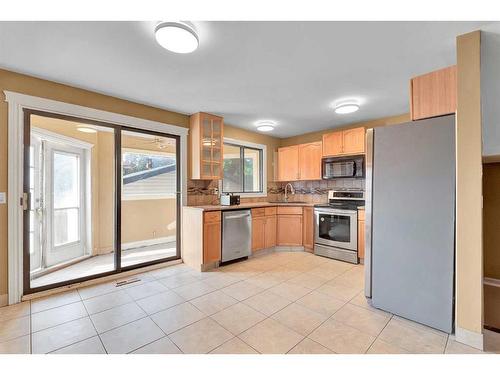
[289,248]
[4,300]
[474,339]
[153,241]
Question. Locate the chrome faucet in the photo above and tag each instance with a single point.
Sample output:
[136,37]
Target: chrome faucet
[292,190]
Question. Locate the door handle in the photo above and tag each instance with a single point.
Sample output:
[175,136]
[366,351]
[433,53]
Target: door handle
[26,201]
[237,216]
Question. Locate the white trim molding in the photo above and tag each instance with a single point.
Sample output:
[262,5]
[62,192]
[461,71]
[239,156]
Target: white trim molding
[17,102]
[474,339]
[262,147]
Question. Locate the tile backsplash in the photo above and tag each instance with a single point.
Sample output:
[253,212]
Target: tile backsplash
[204,192]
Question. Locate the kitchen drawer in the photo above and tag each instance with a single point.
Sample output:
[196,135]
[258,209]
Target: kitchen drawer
[212,217]
[256,212]
[270,211]
[361,214]
[289,210]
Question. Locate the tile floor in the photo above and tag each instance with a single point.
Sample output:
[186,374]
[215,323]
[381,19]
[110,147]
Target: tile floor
[281,302]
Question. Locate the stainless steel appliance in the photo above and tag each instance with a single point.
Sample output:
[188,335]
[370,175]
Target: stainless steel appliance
[343,167]
[336,225]
[236,234]
[229,199]
[410,213]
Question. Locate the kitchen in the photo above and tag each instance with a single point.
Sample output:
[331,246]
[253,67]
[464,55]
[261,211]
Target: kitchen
[285,235]
[336,227]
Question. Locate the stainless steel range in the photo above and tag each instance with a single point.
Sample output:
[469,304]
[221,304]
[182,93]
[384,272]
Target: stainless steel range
[336,225]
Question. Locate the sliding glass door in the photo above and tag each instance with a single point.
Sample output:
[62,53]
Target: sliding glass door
[149,199]
[99,199]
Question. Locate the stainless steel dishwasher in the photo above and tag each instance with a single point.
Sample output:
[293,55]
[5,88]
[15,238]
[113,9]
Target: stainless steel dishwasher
[236,234]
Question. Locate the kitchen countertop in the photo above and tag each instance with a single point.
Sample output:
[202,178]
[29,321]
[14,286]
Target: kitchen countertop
[249,205]
[253,205]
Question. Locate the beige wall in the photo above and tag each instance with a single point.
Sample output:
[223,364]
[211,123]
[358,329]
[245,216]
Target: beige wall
[469,249]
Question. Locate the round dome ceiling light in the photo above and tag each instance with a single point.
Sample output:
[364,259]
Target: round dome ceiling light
[265,125]
[346,107]
[86,129]
[177,37]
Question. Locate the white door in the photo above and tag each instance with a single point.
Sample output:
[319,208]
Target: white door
[65,194]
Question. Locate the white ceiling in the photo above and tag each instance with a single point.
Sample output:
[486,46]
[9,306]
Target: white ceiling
[245,71]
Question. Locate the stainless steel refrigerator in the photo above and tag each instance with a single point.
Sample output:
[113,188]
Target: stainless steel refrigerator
[410,220]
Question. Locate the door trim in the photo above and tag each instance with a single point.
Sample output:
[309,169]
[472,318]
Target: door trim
[17,103]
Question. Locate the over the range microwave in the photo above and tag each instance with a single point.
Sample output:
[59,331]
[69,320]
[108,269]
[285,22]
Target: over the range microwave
[343,167]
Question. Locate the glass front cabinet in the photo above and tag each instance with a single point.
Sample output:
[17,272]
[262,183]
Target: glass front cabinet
[206,146]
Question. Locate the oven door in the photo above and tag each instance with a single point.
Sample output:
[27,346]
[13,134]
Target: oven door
[338,228]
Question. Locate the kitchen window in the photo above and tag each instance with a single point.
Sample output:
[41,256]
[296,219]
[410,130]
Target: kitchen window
[244,168]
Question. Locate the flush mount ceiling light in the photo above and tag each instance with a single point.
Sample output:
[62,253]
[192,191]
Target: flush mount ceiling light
[346,107]
[177,37]
[86,129]
[265,125]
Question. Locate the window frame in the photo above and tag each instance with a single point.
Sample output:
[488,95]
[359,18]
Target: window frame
[263,167]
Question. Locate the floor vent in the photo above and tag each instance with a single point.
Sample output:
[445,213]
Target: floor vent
[127,281]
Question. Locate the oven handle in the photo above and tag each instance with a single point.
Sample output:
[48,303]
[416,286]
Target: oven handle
[335,212]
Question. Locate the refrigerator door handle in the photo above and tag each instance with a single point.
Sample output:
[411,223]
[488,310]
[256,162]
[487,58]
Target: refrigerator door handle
[368,212]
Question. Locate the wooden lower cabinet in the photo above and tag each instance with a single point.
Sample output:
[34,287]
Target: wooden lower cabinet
[263,228]
[270,232]
[289,230]
[212,237]
[361,234]
[258,232]
[308,229]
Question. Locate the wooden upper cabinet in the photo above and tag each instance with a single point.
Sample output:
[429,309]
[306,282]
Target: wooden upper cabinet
[288,163]
[310,161]
[344,142]
[434,94]
[354,141]
[332,143]
[206,138]
[300,162]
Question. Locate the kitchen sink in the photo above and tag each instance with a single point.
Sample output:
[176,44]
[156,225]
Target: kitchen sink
[283,202]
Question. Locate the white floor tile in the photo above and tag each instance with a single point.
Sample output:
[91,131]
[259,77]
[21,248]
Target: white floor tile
[132,336]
